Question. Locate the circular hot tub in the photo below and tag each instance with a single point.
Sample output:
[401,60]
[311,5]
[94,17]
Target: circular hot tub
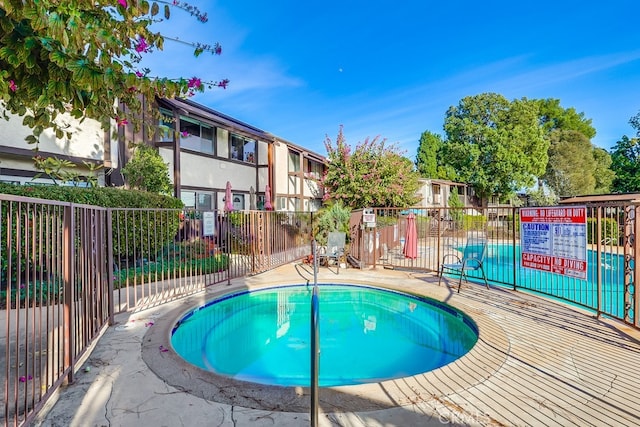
[366,335]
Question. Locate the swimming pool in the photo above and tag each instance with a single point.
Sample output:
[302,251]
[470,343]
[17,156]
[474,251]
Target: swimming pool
[502,257]
[366,335]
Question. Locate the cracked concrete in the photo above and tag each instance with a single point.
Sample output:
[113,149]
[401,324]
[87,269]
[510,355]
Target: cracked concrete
[536,363]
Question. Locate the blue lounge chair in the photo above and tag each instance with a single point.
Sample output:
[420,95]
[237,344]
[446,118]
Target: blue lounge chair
[472,259]
[335,250]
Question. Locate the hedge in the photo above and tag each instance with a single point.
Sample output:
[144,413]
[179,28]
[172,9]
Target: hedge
[610,231]
[131,223]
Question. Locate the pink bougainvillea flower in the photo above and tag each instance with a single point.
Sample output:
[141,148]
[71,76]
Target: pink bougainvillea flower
[12,86]
[139,74]
[121,122]
[142,45]
[123,3]
[194,82]
[146,325]
[163,349]
[184,134]
[223,84]
[217,49]
[24,379]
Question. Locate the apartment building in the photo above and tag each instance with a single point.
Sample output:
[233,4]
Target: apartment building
[88,147]
[204,149]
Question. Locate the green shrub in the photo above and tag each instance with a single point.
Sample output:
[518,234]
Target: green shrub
[474,222]
[170,268]
[332,218]
[385,220]
[139,234]
[36,292]
[609,229]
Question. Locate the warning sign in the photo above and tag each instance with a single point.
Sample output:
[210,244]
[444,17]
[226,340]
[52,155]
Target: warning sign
[554,239]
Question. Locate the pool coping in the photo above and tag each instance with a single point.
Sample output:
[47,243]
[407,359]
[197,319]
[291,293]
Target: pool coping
[484,359]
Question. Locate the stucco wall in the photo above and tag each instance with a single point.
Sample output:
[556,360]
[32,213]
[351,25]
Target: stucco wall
[87,138]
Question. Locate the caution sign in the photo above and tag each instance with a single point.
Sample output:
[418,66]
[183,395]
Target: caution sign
[554,239]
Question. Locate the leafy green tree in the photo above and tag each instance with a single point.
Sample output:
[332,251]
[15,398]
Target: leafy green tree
[603,174]
[455,203]
[61,171]
[429,163]
[147,171]
[571,167]
[495,145]
[83,58]
[577,167]
[373,175]
[542,197]
[625,162]
[427,157]
[554,117]
[334,217]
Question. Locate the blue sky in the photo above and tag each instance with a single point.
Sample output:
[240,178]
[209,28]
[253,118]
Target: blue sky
[392,68]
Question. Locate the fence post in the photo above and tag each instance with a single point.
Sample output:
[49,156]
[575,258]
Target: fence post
[227,228]
[598,233]
[68,257]
[513,245]
[110,266]
[636,274]
[315,340]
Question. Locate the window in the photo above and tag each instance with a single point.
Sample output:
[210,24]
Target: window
[243,149]
[313,169]
[166,126]
[189,199]
[196,136]
[315,205]
[197,200]
[294,161]
[204,201]
[281,203]
[238,202]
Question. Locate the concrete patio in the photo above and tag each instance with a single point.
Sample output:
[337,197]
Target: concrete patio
[537,363]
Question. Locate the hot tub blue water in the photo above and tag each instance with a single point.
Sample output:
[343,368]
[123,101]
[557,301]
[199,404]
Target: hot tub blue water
[366,335]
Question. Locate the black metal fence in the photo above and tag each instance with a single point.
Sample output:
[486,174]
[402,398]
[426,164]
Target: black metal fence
[612,249]
[67,269]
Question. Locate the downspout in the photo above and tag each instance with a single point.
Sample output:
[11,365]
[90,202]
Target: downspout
[270,170]
[177,188]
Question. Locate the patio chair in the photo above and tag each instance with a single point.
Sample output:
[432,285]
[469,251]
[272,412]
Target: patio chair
[472,259]
[335,250]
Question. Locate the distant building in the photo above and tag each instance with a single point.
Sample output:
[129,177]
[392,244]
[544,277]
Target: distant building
[602,198]
[435,193]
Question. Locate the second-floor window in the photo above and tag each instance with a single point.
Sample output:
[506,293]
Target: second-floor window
[313,169]
[166,127]
[243,149]
[196,136]
[294,161]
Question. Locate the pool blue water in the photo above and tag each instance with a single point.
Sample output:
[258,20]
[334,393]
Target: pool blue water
[499,267]
[366,335]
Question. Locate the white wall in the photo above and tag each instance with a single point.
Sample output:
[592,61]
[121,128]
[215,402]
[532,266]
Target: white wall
[281,168]
[87,138]
[86,143]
